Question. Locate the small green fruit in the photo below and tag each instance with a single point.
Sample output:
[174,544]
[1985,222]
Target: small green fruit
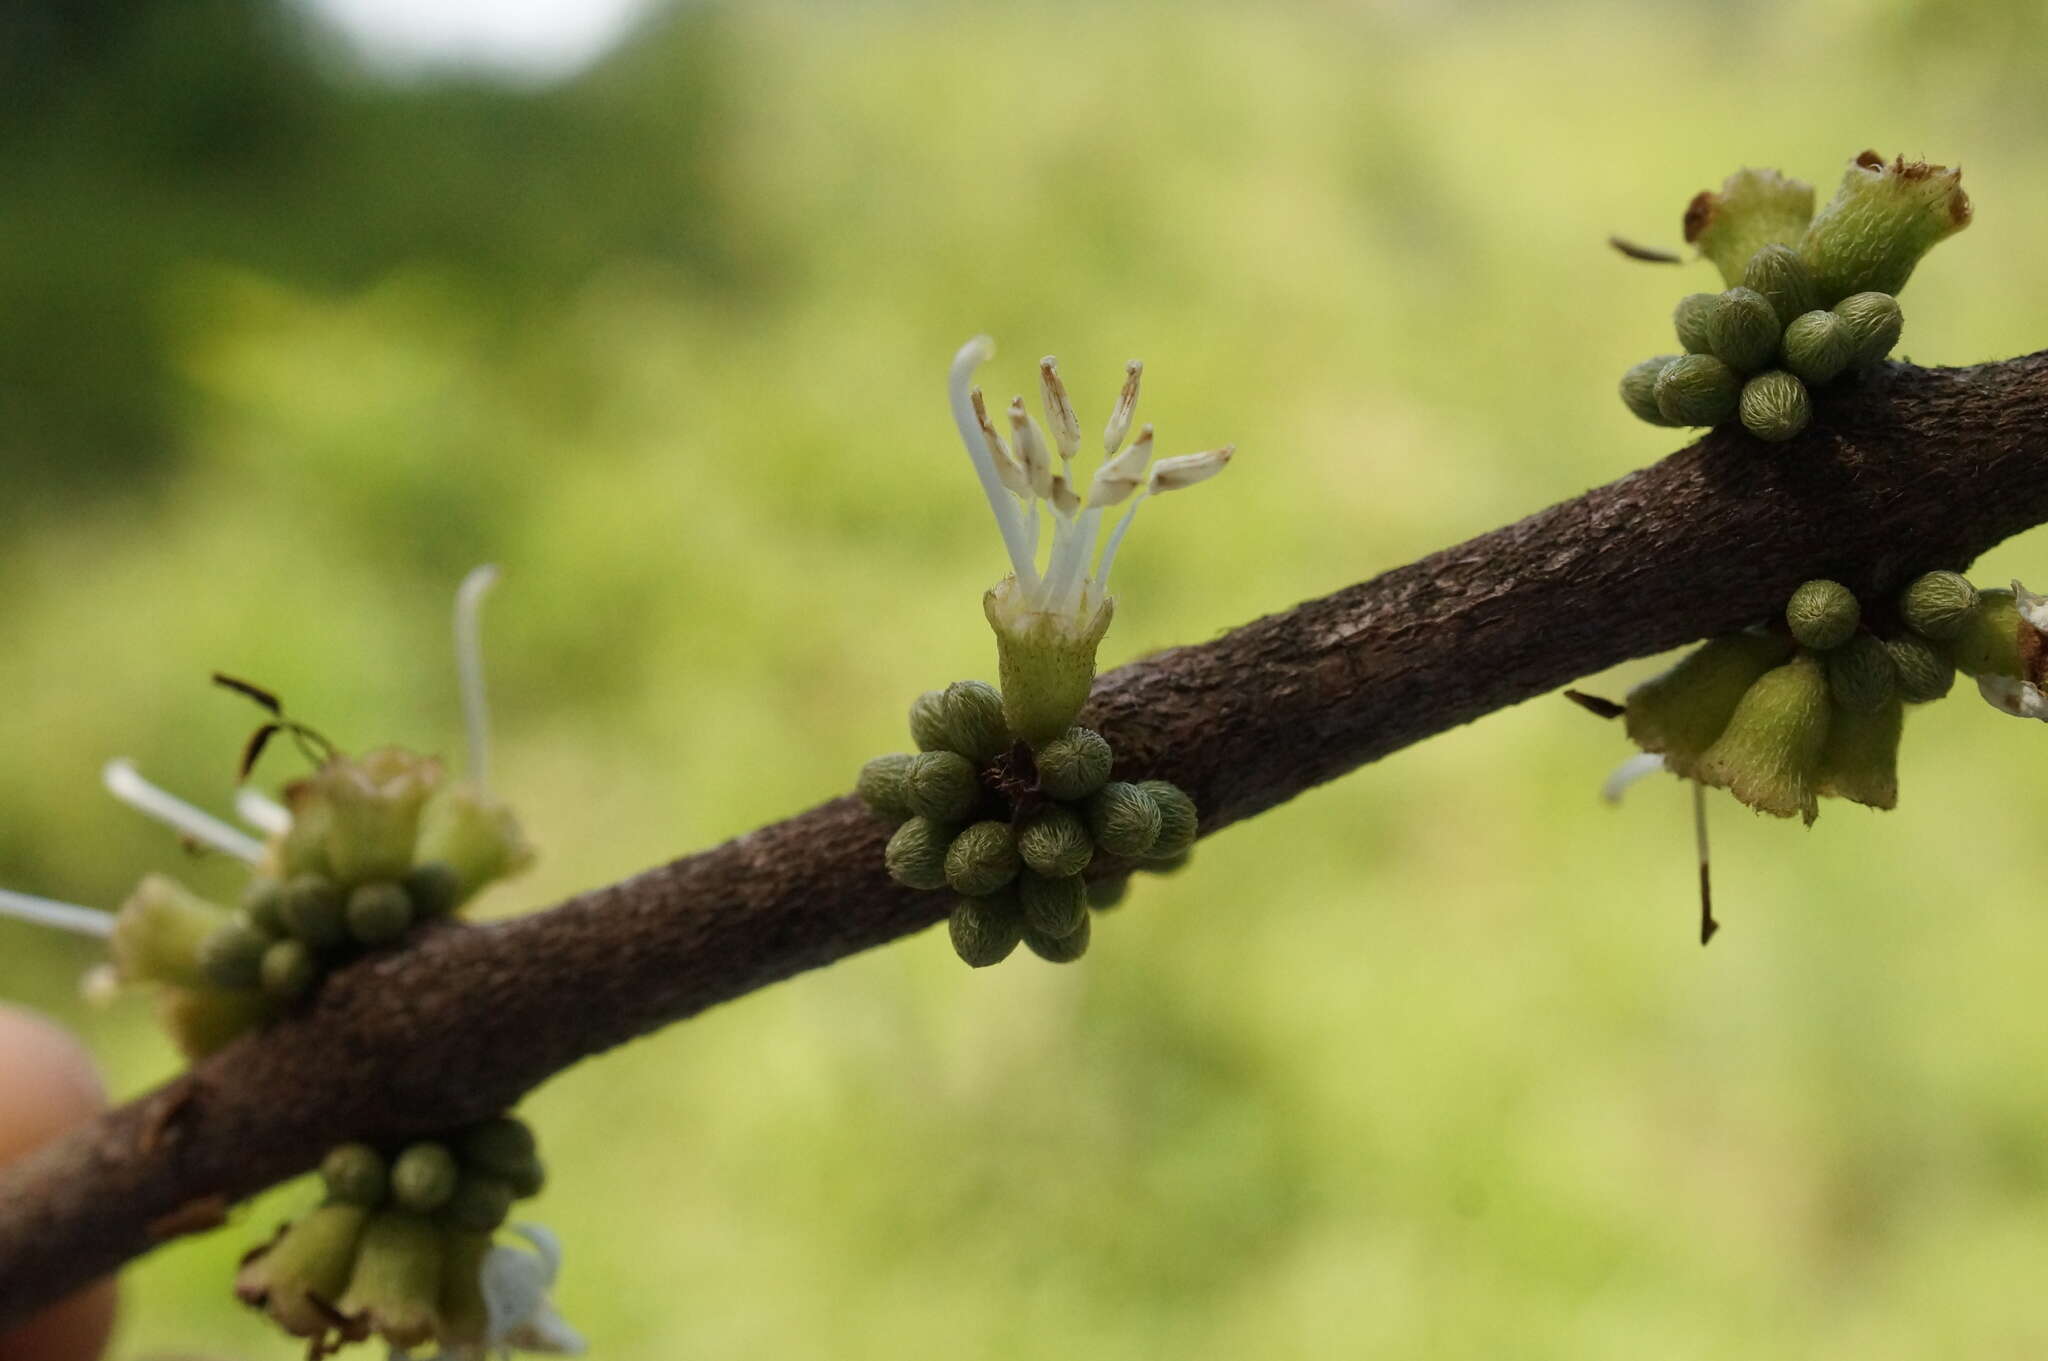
[1938,605]
[355,1174]
[423,1177]
[1861,676]
[1925,673]
[232,953]
[1639,388]
[1179,823]
[880,786]
[985,930]
[1989,642]
[1059,949]
[1743,331]
[982,859]
[315,911]
[1769,756]
[1775,406]
[1697,389]
[289,970]
[1689,319]
[1777,272]
[378,913]
[1124,819]
[1818,347]
[1074,765]
[1873,322]
[1054,908]
[1823,614]
[942,786]
[1055,843]
[916,854]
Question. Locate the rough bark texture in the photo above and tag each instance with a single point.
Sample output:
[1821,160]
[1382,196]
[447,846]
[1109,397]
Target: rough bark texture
[1908,470]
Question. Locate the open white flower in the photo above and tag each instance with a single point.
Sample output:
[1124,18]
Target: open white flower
[1049,619]
[515,1288]
[2025,695]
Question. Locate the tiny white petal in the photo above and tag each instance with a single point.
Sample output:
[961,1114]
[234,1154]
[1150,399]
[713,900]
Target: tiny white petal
[1626,774]
[1059,411]
[1184,470]
[2021,699]
[1123,474]
[1126,404]
[2033,608]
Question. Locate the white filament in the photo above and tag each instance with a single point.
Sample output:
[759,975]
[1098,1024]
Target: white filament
[1008,519]
[262,812]
[84,921]
[1628,772]
[469,668]
[125,783]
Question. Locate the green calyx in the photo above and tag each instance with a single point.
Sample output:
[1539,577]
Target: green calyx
[475,836]
[1822,614]
[1988,644]
[1882,219]
[1861,757]
[985,931]
[161,931]
[298,1279]
[1769,755]
[982,859]
[1697,389]
[1681,713]
[1862,677]
[1775,406]
[1938,605]
[1046,661]
[396,1284]
[1752,209]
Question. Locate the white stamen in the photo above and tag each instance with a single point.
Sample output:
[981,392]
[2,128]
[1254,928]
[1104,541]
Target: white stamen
[1116,539]
[1059,412]
[1184,470]
[1628,773]
[262,812]
[84,921]
[1008,471]
[1126,404]
[1031,450]
[469,668]
[1064,574]
[1009,519]
[125,783]
[1062,495]
[1122,475]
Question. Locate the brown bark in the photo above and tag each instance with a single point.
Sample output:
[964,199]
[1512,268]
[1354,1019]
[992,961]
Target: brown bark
[1907,470]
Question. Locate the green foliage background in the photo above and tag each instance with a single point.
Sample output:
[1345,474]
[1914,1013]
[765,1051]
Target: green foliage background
[1425,1064]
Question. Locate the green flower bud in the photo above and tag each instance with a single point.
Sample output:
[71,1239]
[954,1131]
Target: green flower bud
[355,1174]
[263,900]
[1053,908]
[1818,347]
[1046,660]
[465,1315]
[231,956]
[480,1202]
[916,854]
[527,1178]
[1925,673]
[982,859]
[297,1279]
[378,913]
[942,786]
[159,932]
[1639,389]
[500,1146]
[1777,272]
[201,1021]
[1880,222]
[1074,765]
[881,786]
[423,1176]
[289,970]
[928,721]
[1873,322]
[1685,710]
[396,1284]
[1179,824]
[1059,949]
[1861,759]
[1697,389]
[1988,644]
[1753,209]
[1775,406]
[1769,755]
[986,930]
[1823,614]
[1861,676]
[433,888]
[1124,819]
[374,803]
[1104,894]
[1938,605]
[473,834]
[974,721]
[1689,319]
[315,911]
[1055,843]
[303,848]
[1743,331]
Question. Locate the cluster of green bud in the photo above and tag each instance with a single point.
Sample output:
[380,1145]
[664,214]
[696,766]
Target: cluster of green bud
[1012,828]
[378,845]
[396,1247]
[1810,297]
[1781,717]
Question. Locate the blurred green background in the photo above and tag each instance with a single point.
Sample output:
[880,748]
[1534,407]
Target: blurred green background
[1424,1064]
